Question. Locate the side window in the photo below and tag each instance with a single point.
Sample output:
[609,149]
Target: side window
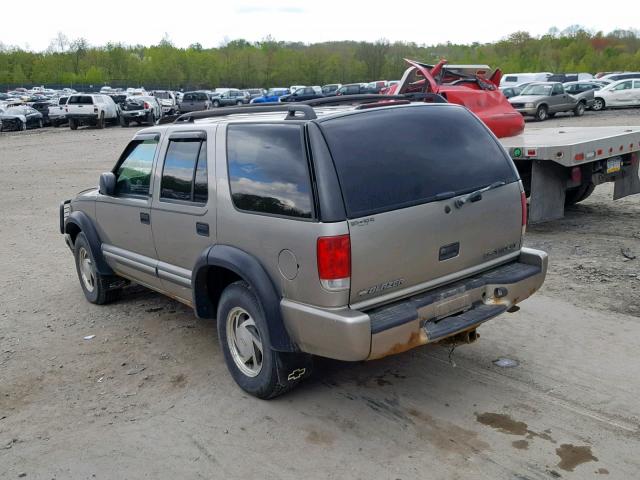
[622,86]
[184,175]
[268,170]
[557,88]
[636,84]
[133,173]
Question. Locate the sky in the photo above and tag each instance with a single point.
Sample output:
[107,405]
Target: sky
[211,23]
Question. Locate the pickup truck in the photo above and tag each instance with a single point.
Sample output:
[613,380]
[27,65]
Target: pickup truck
[91,109]
[543,100]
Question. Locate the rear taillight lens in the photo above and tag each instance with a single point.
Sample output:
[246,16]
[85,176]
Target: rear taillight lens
[95,109]
[334,262]
[523,205]
[147,106]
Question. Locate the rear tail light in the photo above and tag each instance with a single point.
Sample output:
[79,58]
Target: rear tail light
[334,262]
[147,106]
[95,109]
[523,205]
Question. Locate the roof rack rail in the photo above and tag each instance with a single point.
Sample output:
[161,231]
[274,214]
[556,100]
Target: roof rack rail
[291,109]
[373,98]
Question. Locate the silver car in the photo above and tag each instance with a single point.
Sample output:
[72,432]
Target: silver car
[345,233]
[543,100]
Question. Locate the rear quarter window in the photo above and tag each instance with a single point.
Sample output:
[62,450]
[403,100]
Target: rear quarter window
[268,170]
[403,156]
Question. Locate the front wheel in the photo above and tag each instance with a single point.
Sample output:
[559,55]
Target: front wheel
[598,104]
[95,286]
[244,338]
[23,127]
[578,111]
[100,123]
[40,123]
[73,124]
[216,103]
[541,113]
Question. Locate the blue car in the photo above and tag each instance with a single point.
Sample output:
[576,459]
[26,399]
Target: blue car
[272,96]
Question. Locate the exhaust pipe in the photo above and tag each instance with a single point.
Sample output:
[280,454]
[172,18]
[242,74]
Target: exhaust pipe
[468,336]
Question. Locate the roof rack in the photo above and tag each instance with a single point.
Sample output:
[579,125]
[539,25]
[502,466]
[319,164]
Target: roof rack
[291,109]
[374,98]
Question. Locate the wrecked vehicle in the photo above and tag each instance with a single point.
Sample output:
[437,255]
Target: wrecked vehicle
[474,86]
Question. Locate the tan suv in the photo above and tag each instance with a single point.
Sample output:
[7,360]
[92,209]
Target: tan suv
[344,232]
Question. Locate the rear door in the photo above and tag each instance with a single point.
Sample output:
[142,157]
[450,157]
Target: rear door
[401,171]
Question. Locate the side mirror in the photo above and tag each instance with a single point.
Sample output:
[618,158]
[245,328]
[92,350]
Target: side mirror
[107,184]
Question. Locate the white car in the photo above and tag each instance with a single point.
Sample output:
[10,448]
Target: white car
[623,93]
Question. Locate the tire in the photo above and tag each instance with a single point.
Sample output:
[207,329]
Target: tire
[40,123]
[96,287]
[578,194]
[542,113]
[243,333]
[23,127]
[151,119]
[239,103]
[216,103]
[73,124]
[100,123]
[579,110]
[598,104]
[124,122]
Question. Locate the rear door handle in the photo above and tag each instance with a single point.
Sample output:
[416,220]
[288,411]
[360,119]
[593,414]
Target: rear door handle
[145,218]
[202,229]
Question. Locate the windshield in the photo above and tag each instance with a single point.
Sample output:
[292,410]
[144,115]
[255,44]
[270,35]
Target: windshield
[15,111]
[537,90]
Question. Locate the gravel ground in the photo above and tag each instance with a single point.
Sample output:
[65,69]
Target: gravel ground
[149,395]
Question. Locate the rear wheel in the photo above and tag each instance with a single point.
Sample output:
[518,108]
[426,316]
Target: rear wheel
[598,104]
[578,194]
[216,103]
[100,123]
[73,124]
[124,122]
[578,111]
[542,113]
[244,338]
[96,287]
[239,102]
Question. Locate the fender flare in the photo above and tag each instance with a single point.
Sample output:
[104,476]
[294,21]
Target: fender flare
[247,267]
[82,221]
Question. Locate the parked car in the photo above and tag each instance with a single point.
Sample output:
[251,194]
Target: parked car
[195,101]
[512,79]
[352,89]
[582,90]
[230,97]
[377,86]
[57,112]
[302,94]
[167,101]
[620,76]
[294,258]
[623,93]
[545,99]
[142,109]
[272,95]
[42,106]
[254,92]
[330,89]
[293,88]
[510,91]
[20,118]
[90,109]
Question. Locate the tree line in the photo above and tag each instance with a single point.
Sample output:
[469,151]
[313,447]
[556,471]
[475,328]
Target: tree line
[269,62]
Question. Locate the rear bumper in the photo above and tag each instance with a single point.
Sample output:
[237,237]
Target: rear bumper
[134,113]
[347,334]
[83,118]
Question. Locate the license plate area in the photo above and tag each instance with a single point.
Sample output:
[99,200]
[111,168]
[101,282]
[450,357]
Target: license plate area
[614,165]
[455,305]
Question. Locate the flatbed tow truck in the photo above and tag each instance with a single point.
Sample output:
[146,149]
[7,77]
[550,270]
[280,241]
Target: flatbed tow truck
[562,166]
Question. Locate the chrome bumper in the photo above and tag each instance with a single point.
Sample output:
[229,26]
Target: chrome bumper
[352,335]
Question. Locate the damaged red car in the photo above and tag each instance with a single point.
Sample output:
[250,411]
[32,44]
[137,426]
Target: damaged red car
[473,86]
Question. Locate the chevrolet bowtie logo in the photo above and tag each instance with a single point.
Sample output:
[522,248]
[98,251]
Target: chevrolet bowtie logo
[296,374]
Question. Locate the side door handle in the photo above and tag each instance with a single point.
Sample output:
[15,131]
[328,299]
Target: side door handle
[202,229]
[145,218]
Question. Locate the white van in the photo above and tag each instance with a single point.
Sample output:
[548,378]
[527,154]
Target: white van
[513,79]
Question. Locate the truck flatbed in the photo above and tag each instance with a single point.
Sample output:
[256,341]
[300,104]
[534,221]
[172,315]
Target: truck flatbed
[562,165]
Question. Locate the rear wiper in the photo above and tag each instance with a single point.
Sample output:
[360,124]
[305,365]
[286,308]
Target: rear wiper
[477,195]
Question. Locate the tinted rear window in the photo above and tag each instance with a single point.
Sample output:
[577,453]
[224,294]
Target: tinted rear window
[81,100]
[395,158]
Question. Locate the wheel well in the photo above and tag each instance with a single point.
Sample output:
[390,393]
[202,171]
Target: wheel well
[543,105]
[73,230]
[219,278]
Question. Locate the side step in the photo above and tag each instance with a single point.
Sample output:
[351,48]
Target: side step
[439,329]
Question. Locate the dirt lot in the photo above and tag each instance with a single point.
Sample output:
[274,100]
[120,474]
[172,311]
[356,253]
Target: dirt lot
[149,396]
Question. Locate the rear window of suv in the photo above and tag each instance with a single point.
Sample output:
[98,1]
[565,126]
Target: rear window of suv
[404,156]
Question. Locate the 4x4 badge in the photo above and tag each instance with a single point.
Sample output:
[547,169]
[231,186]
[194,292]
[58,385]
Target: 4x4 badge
[296,374]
